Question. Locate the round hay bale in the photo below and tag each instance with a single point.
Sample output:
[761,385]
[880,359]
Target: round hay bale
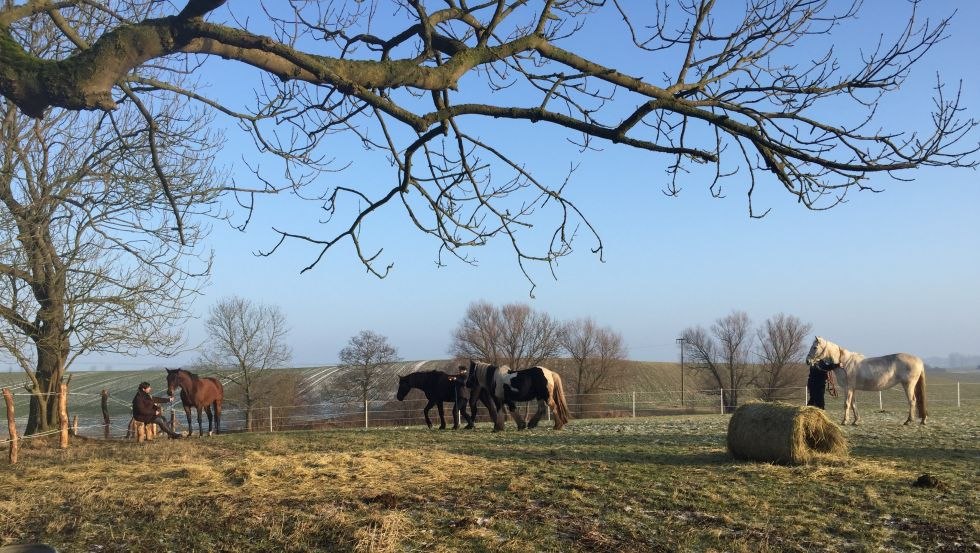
[783,433]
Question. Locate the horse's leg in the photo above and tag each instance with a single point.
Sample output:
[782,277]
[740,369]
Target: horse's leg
[542,409]
[515,414]
[471,420]
[207,410]
[854,410]
[910,394]
[498,415]
[217,417]
[428,406]
[200,425]
[190,425]
[442,416]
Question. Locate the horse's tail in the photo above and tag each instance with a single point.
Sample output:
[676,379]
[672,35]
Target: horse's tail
[561,406]
[920,396]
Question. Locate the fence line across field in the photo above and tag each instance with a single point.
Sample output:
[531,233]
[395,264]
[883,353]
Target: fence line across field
[625,404]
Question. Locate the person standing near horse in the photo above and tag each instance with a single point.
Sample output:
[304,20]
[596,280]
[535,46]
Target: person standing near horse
[816,382]
[858,372]
[146,410]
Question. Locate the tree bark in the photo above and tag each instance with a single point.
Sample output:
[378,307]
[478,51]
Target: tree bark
[63,415]
[44,403]
[8,398]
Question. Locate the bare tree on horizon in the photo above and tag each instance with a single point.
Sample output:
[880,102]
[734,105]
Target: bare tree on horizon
[721,357]
[514,334]
[249,338]
[782,343]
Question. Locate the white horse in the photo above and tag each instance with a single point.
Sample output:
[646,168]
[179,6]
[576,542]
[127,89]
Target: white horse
[858,372]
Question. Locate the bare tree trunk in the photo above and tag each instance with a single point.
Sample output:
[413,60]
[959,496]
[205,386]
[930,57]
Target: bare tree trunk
[63,415]
[8,398]
[49,374]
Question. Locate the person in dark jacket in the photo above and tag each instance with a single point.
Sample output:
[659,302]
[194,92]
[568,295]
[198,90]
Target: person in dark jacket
[816,382]
[146,410]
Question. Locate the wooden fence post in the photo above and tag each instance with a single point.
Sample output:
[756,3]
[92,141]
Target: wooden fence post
[63,414]
[105,413]
[74,425]
[8,398]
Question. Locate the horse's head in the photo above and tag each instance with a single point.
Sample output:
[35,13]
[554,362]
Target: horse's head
[822,350]
[403,388]
[172,382]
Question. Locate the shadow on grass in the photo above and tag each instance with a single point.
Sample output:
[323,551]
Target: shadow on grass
[696,451]
[914,453]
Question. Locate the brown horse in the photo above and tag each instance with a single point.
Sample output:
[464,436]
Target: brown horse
[199,393]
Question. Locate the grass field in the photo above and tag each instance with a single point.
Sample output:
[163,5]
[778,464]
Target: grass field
[648,484]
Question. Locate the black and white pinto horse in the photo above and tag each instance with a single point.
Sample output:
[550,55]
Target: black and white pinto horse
[439,387]
[506,387]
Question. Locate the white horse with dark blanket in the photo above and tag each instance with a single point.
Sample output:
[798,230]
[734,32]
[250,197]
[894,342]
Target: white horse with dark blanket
[858,372]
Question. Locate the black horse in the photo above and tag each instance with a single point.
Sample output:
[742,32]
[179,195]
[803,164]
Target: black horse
[439,387]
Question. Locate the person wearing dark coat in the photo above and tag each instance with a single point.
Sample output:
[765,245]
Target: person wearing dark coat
[816,382]
[145,410]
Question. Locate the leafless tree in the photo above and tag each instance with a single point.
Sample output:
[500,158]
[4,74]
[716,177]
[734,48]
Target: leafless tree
[250,339]
[781,347]
[364,362]
[596,352]
[86,262]
[721,355]
[479,335]
[715,89]
[514,335]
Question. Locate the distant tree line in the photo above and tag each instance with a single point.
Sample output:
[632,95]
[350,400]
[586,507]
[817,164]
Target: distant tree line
[732,355]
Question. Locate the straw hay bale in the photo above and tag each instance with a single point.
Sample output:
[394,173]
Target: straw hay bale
[783,433]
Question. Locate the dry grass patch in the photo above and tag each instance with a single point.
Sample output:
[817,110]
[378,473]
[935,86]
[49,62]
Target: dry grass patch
[641,485]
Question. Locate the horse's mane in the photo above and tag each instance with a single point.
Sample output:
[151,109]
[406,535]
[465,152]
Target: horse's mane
[189,373]
[844,356]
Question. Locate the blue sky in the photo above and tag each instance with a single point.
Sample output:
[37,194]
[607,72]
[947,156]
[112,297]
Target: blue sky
[895,271]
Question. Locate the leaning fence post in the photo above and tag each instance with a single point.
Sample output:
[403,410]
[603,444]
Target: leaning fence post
[721,400]
[63,414]
[105,413]
[881,404]
[634,403]
[8,398]
[74,426]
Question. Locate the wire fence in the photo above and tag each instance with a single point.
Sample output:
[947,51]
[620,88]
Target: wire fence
[388,413]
